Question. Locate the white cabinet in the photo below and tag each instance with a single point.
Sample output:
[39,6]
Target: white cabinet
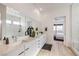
[35,46]
[41,41]
[23,54]
[30,48]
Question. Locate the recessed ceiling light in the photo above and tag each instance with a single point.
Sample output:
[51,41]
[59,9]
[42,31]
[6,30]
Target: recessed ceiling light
[16,23]
[8,21]
[37,11]
[40,9]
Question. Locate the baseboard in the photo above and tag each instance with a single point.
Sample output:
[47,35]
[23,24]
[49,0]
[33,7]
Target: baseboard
[74,51]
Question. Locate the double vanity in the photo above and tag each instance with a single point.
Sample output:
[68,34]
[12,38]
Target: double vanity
[25,46]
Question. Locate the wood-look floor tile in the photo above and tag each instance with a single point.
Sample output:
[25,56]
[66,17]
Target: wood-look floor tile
[58,49]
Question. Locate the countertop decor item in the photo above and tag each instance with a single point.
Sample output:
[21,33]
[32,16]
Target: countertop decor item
[46,29]
[7,41]
[30,31]
[41,32]
[36,28]
[4,40]
[33,34]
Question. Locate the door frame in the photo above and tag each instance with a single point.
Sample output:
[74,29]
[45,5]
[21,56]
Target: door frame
[64,17]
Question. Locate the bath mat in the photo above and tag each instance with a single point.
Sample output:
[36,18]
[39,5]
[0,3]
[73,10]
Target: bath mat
[47,47]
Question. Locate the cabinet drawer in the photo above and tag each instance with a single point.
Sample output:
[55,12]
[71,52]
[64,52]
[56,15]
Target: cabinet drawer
[27,45]
[21,54]
[31,50]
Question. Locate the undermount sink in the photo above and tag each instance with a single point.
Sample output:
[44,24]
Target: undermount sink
[19,41]
[28,39]
[23,38]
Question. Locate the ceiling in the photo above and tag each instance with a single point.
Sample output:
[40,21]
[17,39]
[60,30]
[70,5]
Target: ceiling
[34,9]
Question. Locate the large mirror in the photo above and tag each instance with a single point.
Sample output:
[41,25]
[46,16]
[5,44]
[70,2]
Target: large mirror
[17,24]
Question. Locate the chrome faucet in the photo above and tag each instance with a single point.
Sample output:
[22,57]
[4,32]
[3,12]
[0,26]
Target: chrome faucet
[14,38]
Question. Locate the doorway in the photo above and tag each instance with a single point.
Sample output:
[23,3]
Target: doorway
[59,28]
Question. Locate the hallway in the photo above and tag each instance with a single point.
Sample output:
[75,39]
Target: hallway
[58,49]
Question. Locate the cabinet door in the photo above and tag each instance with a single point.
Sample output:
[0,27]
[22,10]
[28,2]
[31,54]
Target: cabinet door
[35,47]
[22,53]
[38,43]
[30,50]
[41,41]
[27,52]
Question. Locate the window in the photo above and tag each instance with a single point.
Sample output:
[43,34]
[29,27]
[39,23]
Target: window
[16,23]
[58,28]
[8,21]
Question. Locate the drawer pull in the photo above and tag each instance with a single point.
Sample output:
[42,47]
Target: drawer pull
[26,49]
[21,53]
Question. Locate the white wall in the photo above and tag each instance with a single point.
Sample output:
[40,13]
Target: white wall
[3,18]
[48,21]
[75,26]
[47,16]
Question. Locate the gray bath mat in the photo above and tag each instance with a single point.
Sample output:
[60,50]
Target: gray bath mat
[47,47]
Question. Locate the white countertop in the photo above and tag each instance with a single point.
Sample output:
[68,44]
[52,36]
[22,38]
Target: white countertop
[5,49]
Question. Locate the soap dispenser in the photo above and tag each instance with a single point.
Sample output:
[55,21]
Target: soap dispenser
[7,41]
[4,40]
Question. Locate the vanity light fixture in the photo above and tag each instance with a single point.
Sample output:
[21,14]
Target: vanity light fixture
[45,28]
[8,21]
[37,11]
[40,9]
[16,23]
[0,21]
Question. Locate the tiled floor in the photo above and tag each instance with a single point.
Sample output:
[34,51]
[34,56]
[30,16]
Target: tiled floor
[58,49]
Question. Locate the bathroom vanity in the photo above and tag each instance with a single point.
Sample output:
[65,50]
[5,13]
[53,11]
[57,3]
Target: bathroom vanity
[14,25]
[26,47]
